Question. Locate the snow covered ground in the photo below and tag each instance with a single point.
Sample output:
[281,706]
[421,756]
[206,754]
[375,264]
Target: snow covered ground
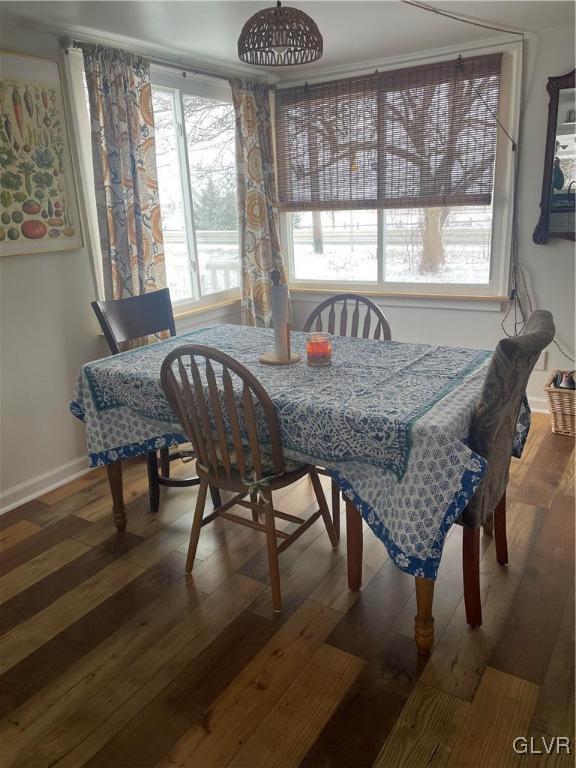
[349,251]
[464,264]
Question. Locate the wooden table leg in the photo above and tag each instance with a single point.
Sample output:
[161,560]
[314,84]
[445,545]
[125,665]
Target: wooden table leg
[354,541]
[424,621]
[115,479]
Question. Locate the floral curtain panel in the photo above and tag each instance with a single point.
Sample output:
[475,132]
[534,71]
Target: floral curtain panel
[258,217]
[125,175]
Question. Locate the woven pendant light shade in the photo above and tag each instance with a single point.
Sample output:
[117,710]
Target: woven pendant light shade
[280,37]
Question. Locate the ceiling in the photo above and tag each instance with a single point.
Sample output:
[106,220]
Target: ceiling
[354,31]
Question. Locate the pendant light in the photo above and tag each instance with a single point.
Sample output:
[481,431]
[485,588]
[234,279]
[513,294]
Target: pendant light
[280,37]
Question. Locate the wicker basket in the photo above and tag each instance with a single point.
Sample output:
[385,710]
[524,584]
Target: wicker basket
[562,408]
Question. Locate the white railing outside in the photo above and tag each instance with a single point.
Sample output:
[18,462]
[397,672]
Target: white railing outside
[218,261]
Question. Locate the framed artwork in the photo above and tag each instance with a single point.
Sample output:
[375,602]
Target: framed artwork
[38,201]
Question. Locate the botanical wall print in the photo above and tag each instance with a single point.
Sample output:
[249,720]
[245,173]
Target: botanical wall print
[38,209]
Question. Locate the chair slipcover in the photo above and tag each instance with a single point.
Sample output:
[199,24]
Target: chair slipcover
[494,423]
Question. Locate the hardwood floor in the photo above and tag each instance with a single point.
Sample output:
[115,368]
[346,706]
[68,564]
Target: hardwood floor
[111,657]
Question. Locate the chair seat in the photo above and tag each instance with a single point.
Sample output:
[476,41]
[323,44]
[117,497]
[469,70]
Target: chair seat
[268,468]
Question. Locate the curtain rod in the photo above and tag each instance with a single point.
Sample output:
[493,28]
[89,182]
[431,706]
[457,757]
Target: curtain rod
[66,43]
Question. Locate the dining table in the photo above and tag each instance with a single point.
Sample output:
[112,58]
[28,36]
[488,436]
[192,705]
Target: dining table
[388,420]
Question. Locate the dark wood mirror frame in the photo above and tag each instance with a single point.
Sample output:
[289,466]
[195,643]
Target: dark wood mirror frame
[542,232]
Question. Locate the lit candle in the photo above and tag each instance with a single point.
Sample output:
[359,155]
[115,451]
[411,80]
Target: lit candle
[319,349]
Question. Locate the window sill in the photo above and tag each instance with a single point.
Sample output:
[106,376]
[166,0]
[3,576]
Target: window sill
[182,311]
[486,303]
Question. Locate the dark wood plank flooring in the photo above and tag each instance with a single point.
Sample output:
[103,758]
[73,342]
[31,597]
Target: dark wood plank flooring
[111,657]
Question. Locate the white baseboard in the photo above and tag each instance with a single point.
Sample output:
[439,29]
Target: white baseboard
[538,404]
[41,484]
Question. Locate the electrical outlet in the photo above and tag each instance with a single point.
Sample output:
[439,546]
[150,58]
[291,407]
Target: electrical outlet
[541,362]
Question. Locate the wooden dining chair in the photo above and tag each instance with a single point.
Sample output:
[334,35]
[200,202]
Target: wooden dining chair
[350,313]
[140,317]
[492,435]
[233,426]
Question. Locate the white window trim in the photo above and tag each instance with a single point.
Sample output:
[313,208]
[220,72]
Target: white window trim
[498,287]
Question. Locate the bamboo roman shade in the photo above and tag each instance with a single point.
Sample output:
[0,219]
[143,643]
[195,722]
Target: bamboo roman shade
[415,137]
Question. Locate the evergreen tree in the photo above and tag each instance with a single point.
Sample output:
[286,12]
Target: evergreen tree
[215,205]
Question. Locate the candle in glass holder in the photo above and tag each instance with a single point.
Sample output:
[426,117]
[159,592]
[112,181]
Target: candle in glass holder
[319,349]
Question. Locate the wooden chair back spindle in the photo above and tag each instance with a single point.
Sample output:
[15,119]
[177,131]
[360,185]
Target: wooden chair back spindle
[221,414]
[338,316]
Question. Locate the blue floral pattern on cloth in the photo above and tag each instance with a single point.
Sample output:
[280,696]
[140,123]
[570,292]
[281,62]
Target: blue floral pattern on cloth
[345,412]
[522,428]
[388,420]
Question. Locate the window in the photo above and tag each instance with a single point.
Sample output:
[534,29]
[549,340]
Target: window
[195,155]
[335,245]
[401,181]
[418,245]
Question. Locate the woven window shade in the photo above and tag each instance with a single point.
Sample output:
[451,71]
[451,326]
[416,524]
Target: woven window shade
[408,138]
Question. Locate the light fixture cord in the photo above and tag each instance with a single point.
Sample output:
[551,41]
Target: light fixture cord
[459,17]
[518,271]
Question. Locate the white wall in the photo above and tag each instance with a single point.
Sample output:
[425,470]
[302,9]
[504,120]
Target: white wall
[550,268]
[47,330]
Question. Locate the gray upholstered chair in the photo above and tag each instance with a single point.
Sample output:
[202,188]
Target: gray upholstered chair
[492,435]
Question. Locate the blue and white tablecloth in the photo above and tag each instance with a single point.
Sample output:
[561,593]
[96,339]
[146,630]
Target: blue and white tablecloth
[388,419]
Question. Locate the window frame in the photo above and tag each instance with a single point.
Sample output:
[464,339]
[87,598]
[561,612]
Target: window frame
[498,286]
[181,84]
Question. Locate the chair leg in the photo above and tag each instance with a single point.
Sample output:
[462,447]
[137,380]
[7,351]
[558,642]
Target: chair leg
[215,496]
[153,481]
[164,462]
[500,531]
[488,525]
[336,508]
[196,525]
[272,546]
[321,499]
[254,500]
[471,572]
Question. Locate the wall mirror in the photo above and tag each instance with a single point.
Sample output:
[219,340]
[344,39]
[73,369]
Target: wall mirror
[557,205]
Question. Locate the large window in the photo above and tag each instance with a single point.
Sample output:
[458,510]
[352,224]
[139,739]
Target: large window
[402,180]
[197,182]
[416,245]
